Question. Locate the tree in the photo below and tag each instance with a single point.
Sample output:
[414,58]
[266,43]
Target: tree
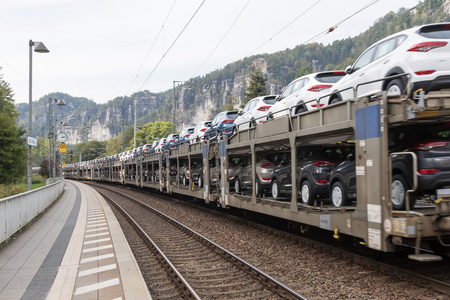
[256,87]
[12,142]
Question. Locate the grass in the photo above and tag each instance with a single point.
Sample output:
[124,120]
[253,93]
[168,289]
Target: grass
[7,190]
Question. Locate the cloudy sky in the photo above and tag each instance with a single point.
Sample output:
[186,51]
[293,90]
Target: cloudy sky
[102,49]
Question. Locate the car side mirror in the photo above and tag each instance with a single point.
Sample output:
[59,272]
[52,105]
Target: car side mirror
[351,156]
[240,113]
[278,98]
[348,70]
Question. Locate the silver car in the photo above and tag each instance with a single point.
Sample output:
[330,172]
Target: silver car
[266,164]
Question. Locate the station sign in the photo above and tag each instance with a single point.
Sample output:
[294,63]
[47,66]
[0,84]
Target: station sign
[31,141]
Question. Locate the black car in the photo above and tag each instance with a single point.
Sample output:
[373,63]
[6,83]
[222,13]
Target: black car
[314,164]
[431,145]
[343,182]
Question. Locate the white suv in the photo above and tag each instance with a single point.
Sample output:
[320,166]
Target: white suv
[303,93]
[423,52]
[254,112]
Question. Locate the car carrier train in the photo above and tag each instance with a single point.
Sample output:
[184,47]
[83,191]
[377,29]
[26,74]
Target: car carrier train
[201,170]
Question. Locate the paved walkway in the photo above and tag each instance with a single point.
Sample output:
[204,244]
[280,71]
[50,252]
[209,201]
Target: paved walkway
[75,250]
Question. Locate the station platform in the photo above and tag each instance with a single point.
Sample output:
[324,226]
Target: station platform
[74,250]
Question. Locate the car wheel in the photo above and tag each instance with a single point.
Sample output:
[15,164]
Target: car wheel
[394,88]
[276,191]
[399,186]
[339,195]
[237,186]
[306,194]
[258,188]
[334,99]
[200,182]
[300,108]
[184,180]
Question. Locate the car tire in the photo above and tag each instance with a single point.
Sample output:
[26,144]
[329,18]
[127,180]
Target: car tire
[200,182]
[394,88]
[237,186]
[306,193]
[276,189]
[258,189]
[339,195]
[334,99]
[300,108]
[184,180]
[399,186]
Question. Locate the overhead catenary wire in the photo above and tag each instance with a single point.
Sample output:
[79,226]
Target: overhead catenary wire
[151,47]
[165,53]
[286,26]
[221,40]
[332,28]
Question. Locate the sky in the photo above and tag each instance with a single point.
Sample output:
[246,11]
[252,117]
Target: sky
[103,49]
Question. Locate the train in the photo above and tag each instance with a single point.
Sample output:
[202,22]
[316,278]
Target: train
[370,218]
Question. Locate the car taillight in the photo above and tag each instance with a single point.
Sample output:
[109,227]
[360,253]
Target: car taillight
[204,129]
[230,177]
[187,135]
[324,163]
[427,171]
[264,108]
[266,179]
[319,87]
[171,141]
[228,121]
[425,72]
[322,181]
[268,165]
[430,145]
[315,105]
[426,46]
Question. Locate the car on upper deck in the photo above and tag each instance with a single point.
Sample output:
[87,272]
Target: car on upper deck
[304,93]
[221,125]
[423,52]
[254,112]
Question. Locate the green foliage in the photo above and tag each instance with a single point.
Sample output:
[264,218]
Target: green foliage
[152,131]
[12,142]
[256,87]
[89,150]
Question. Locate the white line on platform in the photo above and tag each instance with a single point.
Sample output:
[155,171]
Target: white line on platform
[97,248]
[96,286]
[100,257]
[95,225]
[97,241]
[97,270]
[96,229]
[92,222]
[97,234]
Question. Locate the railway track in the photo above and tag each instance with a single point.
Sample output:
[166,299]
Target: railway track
[193,265]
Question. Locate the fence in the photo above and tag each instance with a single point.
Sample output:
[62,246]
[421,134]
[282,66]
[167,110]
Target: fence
[16,211]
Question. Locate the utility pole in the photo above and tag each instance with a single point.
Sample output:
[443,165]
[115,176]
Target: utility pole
[135,102]
[174,126]
[51,141]
[123,138]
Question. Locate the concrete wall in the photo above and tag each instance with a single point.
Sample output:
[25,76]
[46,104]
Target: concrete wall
[16,211]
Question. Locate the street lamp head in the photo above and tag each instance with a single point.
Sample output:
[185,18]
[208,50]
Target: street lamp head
[39,47]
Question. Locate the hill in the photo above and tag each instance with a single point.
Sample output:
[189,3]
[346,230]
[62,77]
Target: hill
[202,97]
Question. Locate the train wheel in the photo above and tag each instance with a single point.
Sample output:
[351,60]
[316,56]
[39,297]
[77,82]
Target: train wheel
[307,197]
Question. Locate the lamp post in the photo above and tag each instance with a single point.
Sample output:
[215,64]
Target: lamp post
[40,48]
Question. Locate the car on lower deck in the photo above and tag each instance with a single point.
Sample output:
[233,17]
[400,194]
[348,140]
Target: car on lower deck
[314,164]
